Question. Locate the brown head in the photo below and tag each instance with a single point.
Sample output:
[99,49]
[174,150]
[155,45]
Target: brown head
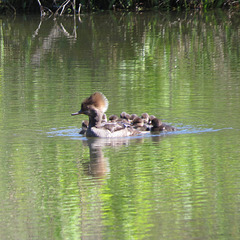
[133,116]
[85,124]
[113,118]
[156,122]
[145,117]
[151,118]
[123,114]
[138,122]
[97,101]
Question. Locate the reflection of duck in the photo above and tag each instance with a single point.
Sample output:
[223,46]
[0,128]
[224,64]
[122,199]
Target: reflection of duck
[159,126]
[94,107]
[97,166]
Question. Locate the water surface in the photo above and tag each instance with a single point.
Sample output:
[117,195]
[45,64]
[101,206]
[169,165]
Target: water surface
[181,67]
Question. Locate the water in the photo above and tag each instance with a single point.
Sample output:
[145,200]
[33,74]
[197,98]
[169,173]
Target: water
[181,67]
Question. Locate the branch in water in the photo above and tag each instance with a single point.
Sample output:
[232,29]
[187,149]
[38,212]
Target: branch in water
[42,9]
[45,10]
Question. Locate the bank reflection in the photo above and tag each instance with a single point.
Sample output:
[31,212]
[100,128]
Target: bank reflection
[57,30]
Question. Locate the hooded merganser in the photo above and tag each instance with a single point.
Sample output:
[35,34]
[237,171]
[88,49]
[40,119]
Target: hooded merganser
[133,116]
[104,118]
[145,117]
[151,118]
[94,107]
[84,127]
[113,118]
[159,126]
[139,124]
[125,116]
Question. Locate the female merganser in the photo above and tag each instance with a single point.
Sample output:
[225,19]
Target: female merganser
[94,107]
[159,126]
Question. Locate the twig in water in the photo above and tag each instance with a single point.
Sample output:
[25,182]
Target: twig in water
[79,8]
[63,8]
[42,9]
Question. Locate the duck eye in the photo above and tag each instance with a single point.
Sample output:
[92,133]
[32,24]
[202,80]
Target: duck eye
[84,107]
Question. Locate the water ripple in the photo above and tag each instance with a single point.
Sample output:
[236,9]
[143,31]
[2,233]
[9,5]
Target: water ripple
[73,132]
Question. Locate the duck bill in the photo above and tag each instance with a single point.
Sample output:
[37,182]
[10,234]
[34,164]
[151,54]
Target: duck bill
[76,113]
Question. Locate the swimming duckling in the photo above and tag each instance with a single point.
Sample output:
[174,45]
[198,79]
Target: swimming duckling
[159,126]
[113,118]
[133,116]
[151,118]
[139,124]
[104,118]
[145,117]
[84,127]
[125,116]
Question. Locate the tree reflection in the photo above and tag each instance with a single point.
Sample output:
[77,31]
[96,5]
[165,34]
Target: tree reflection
[57,31]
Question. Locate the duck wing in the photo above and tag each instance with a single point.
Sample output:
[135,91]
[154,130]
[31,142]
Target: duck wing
[113,127]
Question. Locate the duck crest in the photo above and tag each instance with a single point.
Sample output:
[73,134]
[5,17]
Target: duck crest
[98,100]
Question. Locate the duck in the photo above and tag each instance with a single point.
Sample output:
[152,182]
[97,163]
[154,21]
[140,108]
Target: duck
[133,116]
[104,118]
[145,117]
[151,118]
[113,118]
[94,107]
[84,127]
[159,126]
[139,124]
[125,117]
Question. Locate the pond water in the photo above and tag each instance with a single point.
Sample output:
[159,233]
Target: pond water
[181,67]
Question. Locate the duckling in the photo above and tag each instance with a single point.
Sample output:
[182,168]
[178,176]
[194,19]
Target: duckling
[84,127]
[125,116]
[113,118]
[133,116]
[145,117]
[138,123]
[104,118]
[151,118]
[159,126]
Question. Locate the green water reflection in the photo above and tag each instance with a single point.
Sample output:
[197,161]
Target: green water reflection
[181,67]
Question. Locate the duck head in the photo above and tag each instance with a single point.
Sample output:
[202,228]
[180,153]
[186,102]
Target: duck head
[137,122]
[94,107]
[156,122]
[145,117]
